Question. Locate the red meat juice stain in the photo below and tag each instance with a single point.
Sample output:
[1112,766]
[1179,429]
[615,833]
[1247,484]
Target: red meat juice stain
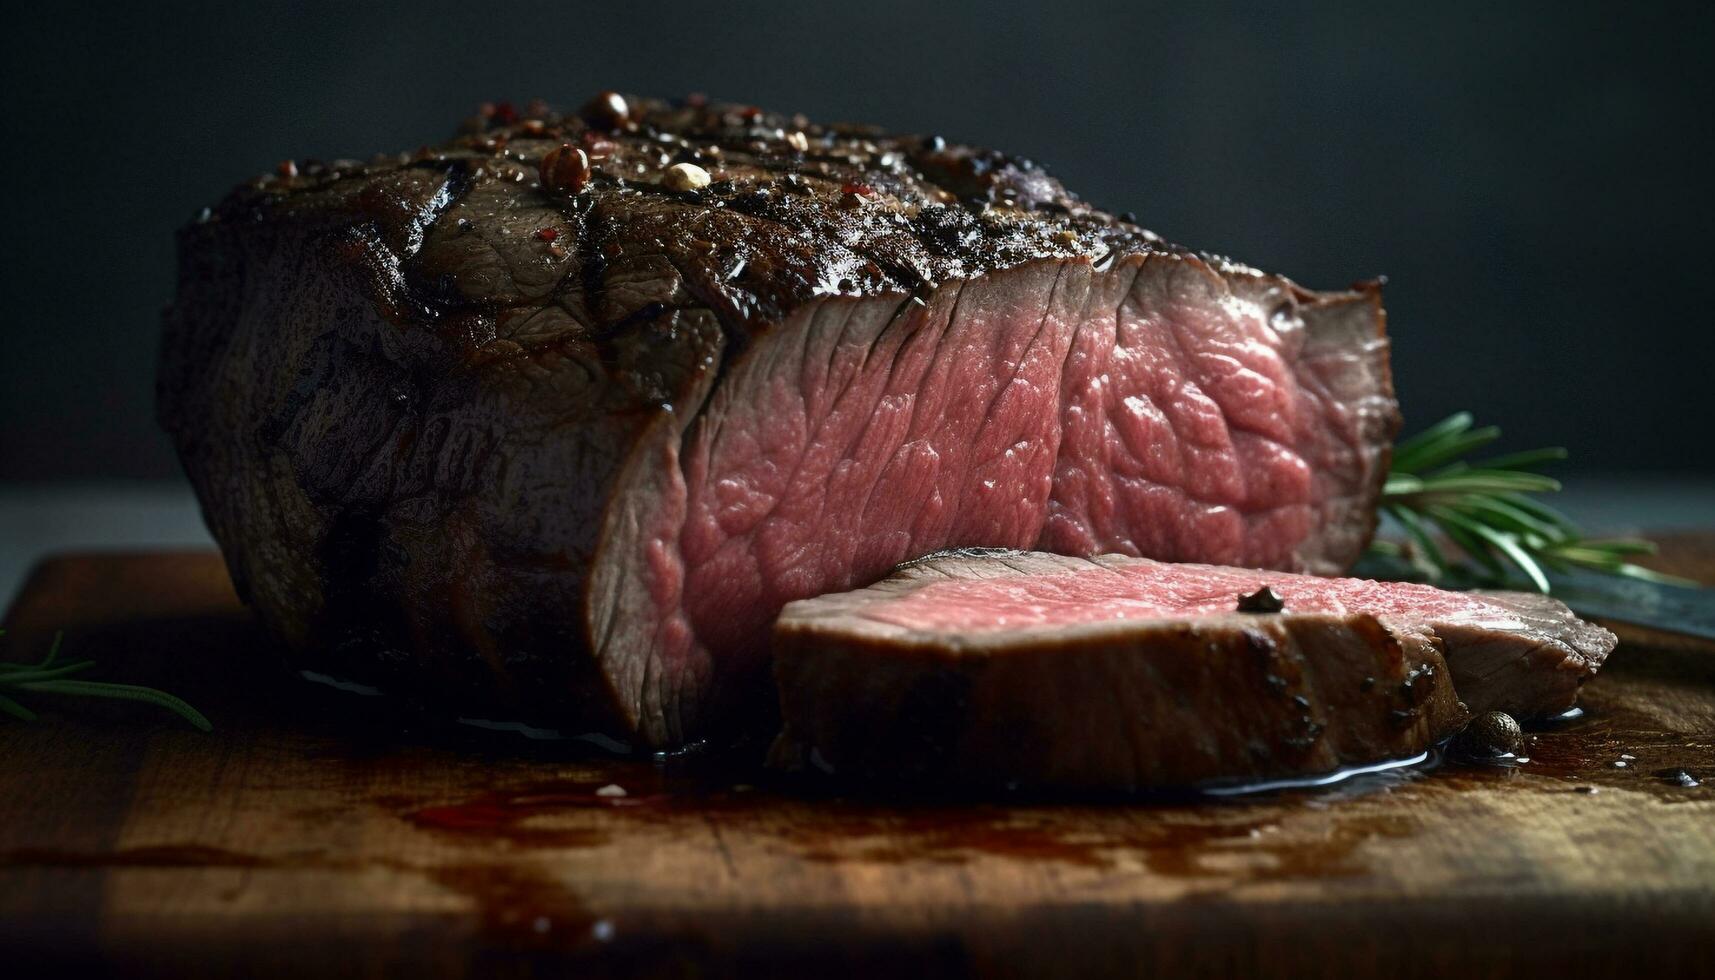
[561,812]
[1605,744]
[1194,841]
[516,814]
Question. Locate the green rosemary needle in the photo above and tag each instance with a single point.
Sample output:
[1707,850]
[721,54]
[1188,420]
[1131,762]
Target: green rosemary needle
[49,676]
[1485,508]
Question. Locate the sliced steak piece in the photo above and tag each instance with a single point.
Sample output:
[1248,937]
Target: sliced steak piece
[1123,673]
[556,432]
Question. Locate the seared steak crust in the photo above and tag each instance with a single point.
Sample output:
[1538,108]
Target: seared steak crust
[457,418]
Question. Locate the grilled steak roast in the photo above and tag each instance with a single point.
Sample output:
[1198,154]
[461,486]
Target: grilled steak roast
[552,419]
[1125,673]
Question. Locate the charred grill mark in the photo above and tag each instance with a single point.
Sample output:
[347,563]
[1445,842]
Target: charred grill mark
[767,167]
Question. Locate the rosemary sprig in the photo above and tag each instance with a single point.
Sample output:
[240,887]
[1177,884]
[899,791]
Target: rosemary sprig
[1485,508]
[49,676]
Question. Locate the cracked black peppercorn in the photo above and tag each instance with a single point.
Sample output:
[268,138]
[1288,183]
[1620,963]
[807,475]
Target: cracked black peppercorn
[1491,734]
[1263,600]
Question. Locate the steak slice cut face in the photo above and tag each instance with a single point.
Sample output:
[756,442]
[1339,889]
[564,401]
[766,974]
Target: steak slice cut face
[1119,673]
[558,438]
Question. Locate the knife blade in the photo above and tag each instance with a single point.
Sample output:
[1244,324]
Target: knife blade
[1671,608]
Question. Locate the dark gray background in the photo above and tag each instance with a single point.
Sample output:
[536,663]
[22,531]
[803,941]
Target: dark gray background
[1532,179]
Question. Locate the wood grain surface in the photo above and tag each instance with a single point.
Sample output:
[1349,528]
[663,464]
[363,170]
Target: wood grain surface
[319,831]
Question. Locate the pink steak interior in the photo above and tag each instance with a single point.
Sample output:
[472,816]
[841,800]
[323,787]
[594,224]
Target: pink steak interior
[1155,591]
[1151,408]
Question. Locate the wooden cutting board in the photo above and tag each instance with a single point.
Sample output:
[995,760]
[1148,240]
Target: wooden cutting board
[321,831]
